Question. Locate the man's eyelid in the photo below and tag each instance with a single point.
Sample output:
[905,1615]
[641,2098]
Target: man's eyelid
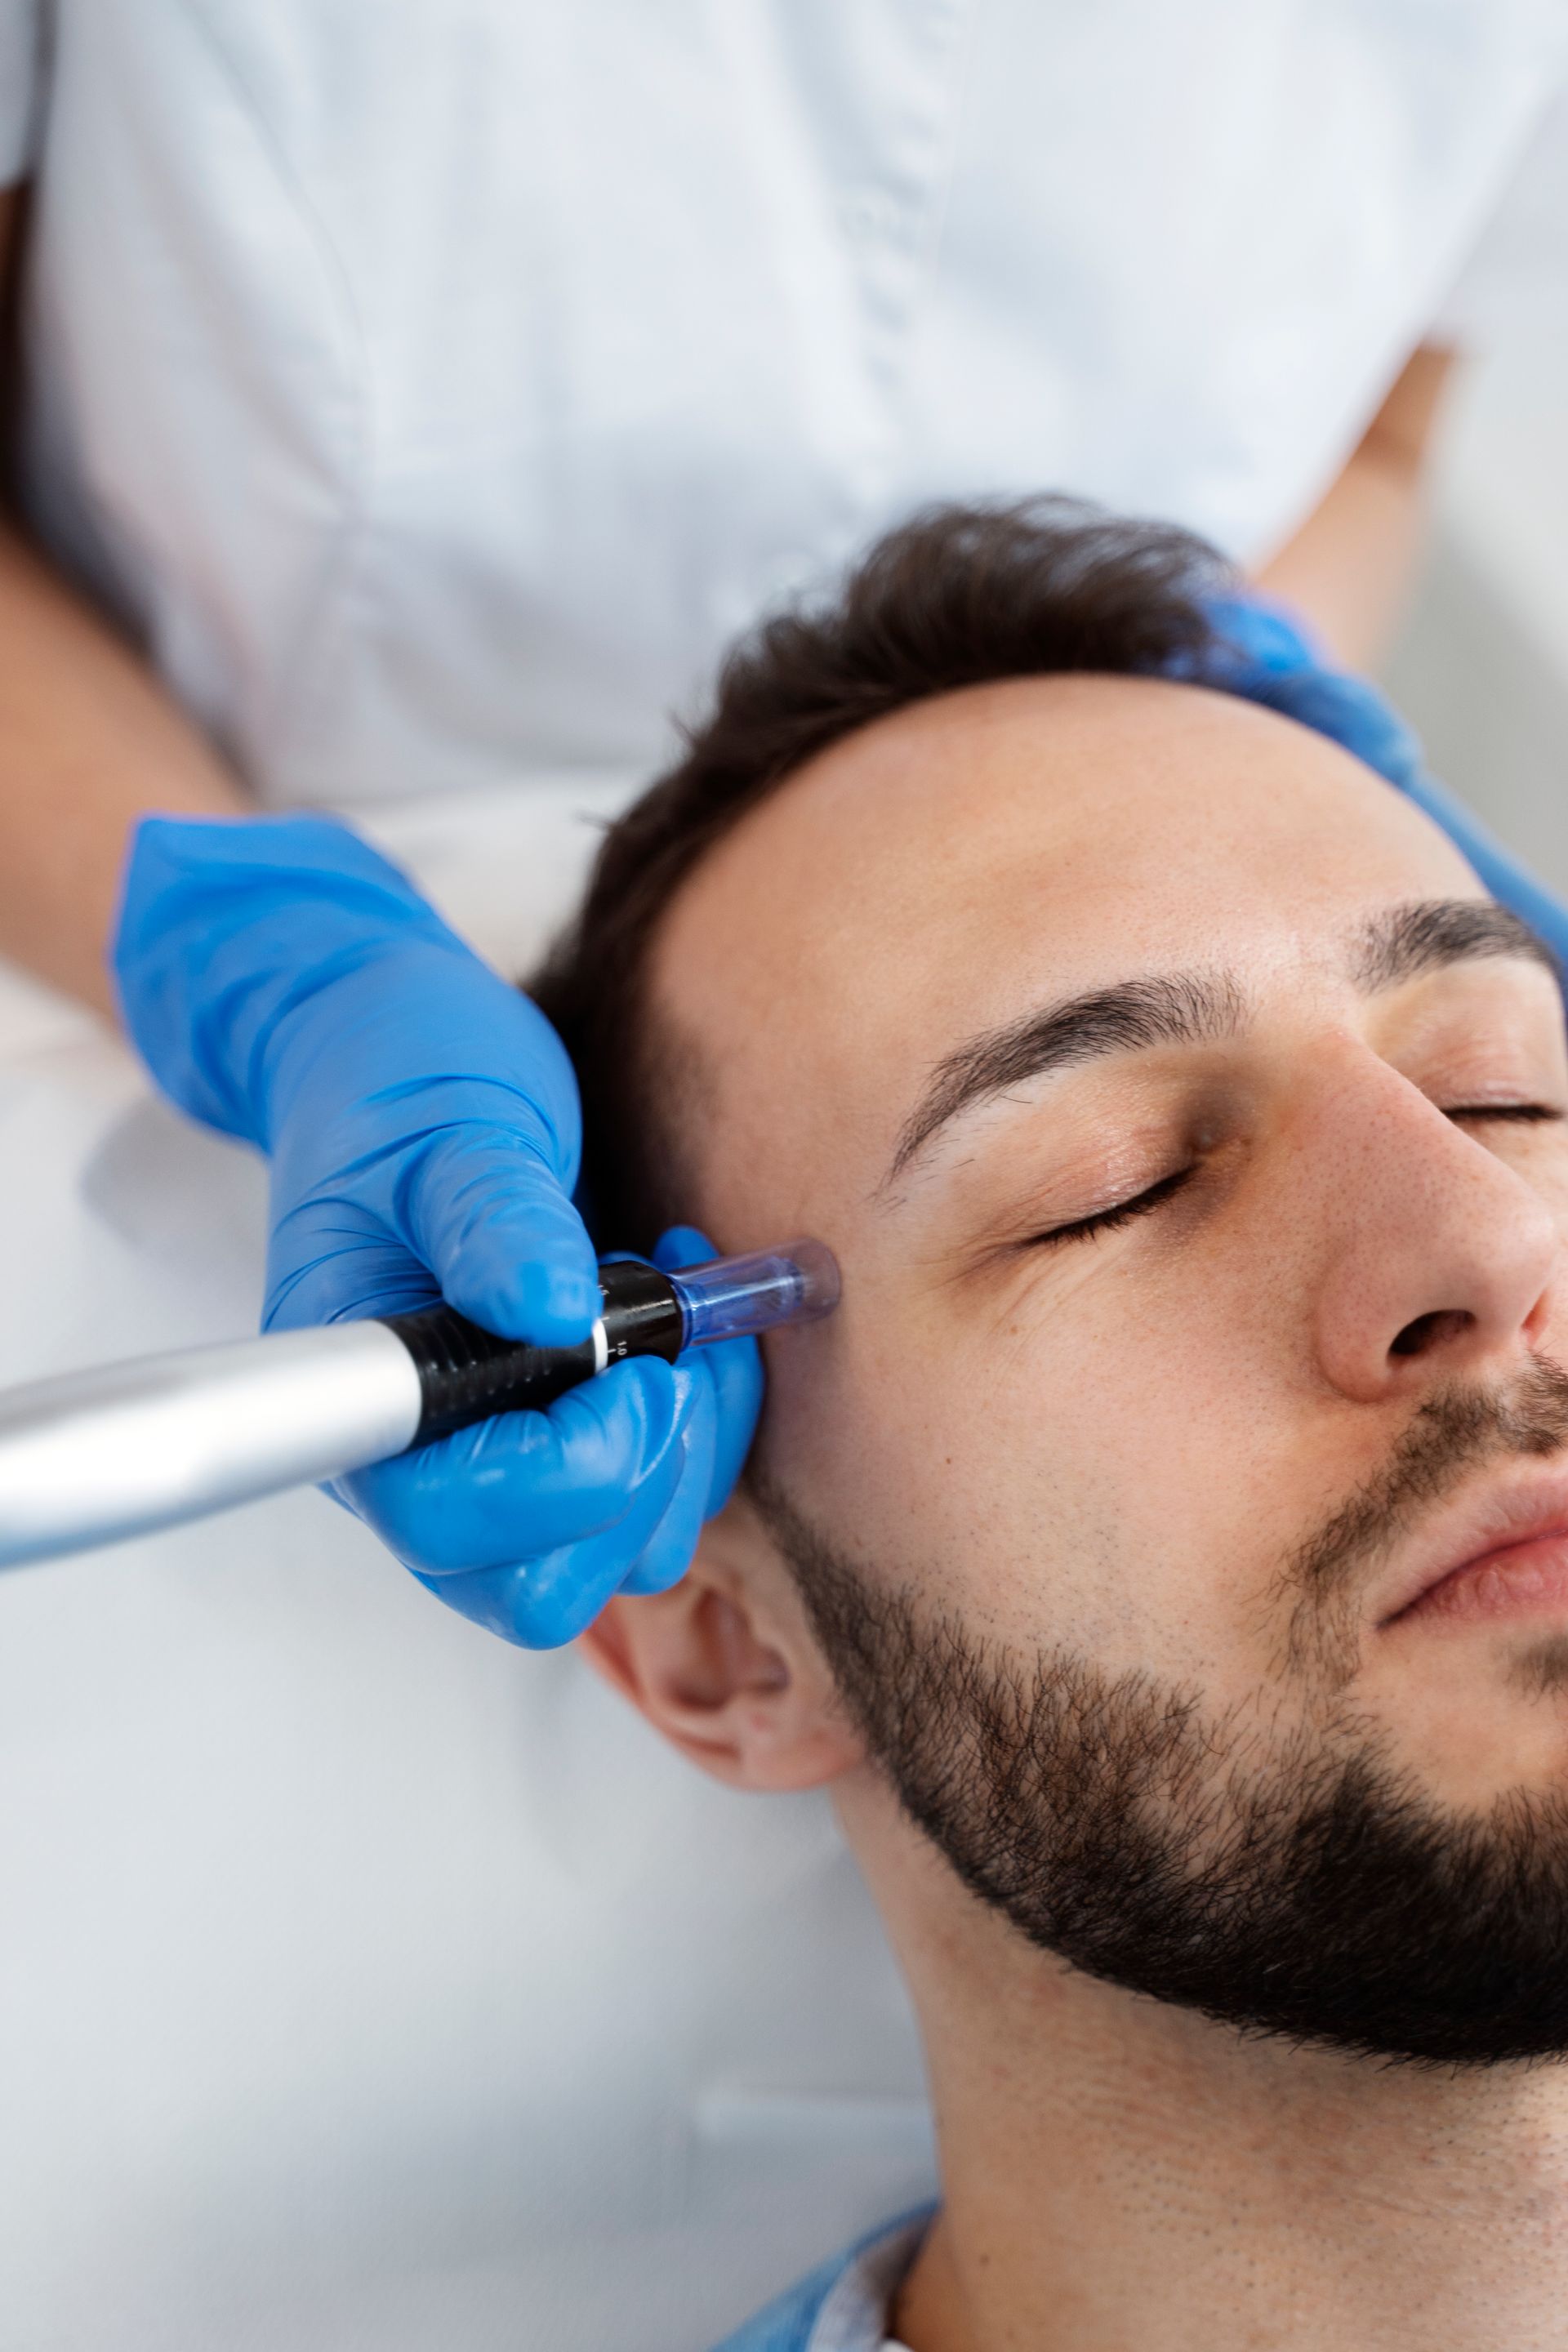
[1525,1108]
[1142,1203]
[1146,1083]
[1487,1073]
[1091,1185]
[1414,1017]
[1455,1049]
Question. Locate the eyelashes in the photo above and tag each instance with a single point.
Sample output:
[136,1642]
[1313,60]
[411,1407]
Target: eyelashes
[1522,1112]
[1154,1196]
[1104,1221]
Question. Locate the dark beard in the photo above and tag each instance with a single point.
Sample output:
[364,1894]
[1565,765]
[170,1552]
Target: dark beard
[1317,1894]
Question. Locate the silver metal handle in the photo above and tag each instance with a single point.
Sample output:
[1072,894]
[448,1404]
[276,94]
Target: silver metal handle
[93,1456]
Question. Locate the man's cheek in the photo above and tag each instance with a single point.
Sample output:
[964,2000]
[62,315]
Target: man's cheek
[1141,1517]
[986,1492]
[1061,1496]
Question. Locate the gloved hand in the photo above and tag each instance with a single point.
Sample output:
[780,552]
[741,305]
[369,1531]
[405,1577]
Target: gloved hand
[286,985]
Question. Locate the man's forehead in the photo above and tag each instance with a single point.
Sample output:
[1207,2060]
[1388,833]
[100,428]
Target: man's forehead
[940,870]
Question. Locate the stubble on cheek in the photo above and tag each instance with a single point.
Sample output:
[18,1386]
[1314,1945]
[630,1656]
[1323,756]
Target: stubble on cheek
[1542,1671]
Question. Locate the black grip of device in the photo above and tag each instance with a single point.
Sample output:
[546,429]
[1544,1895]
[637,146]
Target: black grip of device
[642,1314]
[468,1374]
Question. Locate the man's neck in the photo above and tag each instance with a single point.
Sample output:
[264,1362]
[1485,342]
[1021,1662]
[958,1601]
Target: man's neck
[1118,2174]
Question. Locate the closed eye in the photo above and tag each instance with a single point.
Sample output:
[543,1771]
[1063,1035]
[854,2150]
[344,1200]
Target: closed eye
[1104,1220]
[1525,1111]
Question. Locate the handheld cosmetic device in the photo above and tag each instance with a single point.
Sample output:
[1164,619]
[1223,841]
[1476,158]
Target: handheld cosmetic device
[93,1457]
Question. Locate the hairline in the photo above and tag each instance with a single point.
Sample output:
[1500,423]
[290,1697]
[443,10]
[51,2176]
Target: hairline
[969,593]
[683,1055]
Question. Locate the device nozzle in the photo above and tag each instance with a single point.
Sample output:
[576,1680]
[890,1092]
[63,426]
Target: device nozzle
[735,1297]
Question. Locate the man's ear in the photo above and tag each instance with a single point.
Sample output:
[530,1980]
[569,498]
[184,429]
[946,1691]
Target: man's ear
[724,1665]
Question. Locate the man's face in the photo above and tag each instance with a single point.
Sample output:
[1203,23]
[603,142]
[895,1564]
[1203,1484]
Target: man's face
[1199,1205]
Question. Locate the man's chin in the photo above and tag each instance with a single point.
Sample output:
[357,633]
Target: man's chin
[1479,1730]
[1326,1895]
[1371,1921]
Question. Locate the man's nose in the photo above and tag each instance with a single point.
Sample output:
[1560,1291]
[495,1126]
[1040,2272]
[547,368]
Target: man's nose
[1439,1255]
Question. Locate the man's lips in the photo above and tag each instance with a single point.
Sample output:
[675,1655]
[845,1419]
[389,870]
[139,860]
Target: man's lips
[1502,1552]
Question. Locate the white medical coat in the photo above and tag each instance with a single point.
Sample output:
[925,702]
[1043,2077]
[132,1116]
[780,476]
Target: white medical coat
[435,387]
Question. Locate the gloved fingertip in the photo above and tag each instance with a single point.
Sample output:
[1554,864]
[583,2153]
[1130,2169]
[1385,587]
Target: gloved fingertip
[561,1301]
[499,1600]
[683,1246]
[662,1566]
[548,1624]
[551,1302]
[548,1603]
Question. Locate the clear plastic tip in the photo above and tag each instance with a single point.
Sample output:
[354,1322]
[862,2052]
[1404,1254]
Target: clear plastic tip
[732,1297]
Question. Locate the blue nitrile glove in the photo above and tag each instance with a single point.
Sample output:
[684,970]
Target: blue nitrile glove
[1265,655]
[286,985]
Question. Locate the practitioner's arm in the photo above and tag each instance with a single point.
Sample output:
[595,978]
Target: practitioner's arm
[88,738]
[1349,566]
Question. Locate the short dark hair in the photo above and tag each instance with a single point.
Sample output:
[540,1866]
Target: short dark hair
[960,596]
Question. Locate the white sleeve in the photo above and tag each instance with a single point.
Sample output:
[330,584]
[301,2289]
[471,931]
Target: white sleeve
[1519,260]
[21,79]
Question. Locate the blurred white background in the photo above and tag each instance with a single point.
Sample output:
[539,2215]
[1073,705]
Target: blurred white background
[1481,666]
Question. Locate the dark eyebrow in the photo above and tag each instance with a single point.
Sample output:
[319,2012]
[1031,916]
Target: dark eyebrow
[1402,942]
[1172,1009]
[1190,1008]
